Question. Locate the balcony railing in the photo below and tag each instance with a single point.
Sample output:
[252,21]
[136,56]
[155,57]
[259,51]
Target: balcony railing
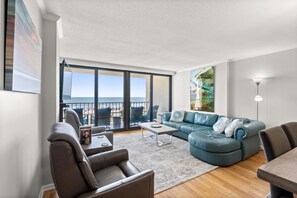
[117,111]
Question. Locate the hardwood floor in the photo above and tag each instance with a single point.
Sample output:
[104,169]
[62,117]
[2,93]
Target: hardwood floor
[50,194]
[239,180]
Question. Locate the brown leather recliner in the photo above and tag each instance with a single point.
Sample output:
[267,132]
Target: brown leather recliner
[108,174]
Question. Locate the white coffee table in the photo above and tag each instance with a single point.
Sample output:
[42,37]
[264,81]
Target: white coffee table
[158,131]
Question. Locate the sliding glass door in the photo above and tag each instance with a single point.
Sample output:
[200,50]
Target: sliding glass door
[140,99]
[161,96]
[110,110]
[118,100]
[79,93]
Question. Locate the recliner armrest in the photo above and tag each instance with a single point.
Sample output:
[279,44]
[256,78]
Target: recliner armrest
[98,129]
[109,158]
[138,185]
[248,130]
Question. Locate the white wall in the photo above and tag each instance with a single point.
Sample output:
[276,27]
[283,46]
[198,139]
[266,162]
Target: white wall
[221,89]
[278,90]
[50,93]
[181,89]
[161,93]
[20,129]
[235,89]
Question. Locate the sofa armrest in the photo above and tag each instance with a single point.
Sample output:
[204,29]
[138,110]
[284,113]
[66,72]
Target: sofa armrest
[109,158]
[138,185]
[248,130]
[166,116]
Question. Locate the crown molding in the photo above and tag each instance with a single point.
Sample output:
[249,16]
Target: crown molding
[60,28]
[203,65]
[264,53]
[82,62]
[42,7]
[51,17]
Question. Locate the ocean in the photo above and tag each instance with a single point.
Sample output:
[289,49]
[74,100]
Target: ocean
[102,99]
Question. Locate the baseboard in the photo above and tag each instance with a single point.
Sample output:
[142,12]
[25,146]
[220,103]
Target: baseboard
[45,188]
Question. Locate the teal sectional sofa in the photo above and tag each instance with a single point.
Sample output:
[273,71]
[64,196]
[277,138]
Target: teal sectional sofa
[214,148]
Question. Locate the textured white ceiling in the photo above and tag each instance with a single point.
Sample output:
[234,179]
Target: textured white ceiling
[174,34]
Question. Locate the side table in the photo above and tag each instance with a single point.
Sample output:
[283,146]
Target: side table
[99,144]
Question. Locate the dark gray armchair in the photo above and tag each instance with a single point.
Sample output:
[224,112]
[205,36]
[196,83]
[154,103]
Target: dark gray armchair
[147,117]
[290,129]
[104,117]
[136,115]
[72,118]
[104,175]
[80,112]
[275,143]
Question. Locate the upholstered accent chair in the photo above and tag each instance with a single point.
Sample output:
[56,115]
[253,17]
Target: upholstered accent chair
[275,143]
[290,129]
[136,115]
[81,116]
[105,175]
[104,117]
[146,117]
[72,118]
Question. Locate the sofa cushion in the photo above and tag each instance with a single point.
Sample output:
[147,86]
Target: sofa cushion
[109,175]
[181,135]
[177,116]
[205,119]
[229,130]
[189,128]
[209,141]
[189,117]
[221,124]
[244,120]
[176,125]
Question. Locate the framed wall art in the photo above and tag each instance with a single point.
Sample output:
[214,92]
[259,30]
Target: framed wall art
[202,89]
[22,70]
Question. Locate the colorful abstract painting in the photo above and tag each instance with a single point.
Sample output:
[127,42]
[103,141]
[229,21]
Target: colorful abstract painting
[22,50]
[202,89]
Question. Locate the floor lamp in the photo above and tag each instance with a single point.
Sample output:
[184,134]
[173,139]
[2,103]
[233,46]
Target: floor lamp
[258,98]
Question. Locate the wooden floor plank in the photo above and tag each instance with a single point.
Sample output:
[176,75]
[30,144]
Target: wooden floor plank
[239,180]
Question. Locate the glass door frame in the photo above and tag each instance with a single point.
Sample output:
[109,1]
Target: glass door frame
[128,107]
[126,81]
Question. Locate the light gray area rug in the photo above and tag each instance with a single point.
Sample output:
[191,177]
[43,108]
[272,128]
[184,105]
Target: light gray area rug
[173,164]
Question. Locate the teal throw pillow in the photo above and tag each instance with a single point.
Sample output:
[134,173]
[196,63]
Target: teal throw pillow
[177,116]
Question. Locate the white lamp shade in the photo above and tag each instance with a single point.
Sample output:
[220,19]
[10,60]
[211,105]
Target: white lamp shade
[258,98]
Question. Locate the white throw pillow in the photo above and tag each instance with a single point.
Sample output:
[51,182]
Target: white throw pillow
[221,124]
[177,116]
[229,131]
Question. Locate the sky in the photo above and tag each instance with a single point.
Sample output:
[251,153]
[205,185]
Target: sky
[109,86]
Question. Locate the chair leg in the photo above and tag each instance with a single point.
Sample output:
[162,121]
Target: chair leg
[276,192]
